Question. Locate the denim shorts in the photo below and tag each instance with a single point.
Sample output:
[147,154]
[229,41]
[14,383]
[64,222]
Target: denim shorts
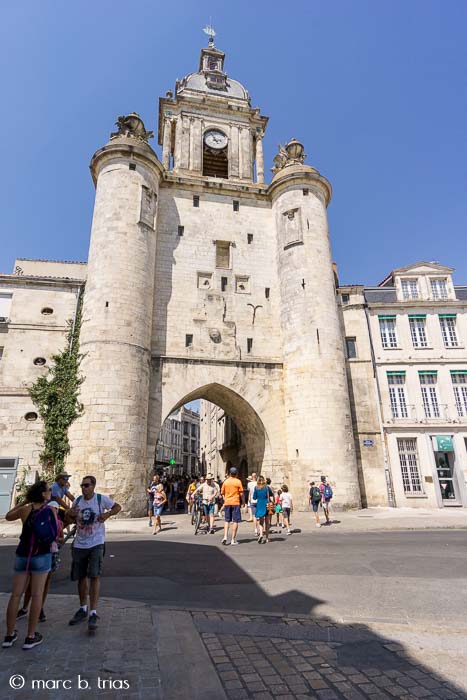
[40,564]
[232,514]
[87,562]
[157,510]
[209,508]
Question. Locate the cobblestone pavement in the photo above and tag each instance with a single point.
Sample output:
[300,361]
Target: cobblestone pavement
[262,657]
[145,651]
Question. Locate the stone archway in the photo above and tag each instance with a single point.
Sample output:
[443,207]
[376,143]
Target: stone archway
[250,393]
[257,443]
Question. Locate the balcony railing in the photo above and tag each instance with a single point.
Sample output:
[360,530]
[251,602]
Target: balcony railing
[417,414]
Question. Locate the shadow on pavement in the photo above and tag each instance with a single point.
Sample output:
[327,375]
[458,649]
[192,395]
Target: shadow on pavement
[283,648]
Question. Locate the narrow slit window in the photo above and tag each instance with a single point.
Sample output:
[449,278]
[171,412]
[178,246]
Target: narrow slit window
[305,191]
[195,200]
[181,230]
[250,238]
[132,166]
[267,292]
[249,344]
[236,205]
[224,282]
[188,341]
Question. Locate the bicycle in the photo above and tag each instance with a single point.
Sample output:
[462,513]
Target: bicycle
[198,512]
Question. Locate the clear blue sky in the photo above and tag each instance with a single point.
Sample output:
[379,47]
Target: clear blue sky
[377,92]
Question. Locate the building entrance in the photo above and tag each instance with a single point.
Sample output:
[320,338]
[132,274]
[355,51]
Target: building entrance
[446,477]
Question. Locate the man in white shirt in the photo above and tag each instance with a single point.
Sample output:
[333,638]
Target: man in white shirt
[252,501]
[89,511]
[209,492]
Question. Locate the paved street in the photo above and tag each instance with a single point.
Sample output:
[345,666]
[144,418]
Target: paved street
[325,613]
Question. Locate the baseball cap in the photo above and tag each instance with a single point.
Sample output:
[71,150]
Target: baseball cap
[233,470]
[63,475]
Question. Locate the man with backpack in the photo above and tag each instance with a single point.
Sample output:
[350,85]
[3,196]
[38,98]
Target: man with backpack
[326,496]
[89,511]
[315,500]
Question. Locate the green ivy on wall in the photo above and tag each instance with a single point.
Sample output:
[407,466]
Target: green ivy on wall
[55,395]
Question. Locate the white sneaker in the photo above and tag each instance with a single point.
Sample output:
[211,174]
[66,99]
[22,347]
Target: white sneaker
[288,532]
[318,524]
[224,540]
[256,533]
[233,542]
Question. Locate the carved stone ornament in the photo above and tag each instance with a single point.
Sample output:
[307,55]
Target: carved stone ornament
[215,335]
[132,126]
[290,154]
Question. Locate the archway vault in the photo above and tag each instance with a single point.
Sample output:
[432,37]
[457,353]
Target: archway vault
[249,395]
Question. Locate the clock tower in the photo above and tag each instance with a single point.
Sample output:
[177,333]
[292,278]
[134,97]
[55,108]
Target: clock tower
[208,128]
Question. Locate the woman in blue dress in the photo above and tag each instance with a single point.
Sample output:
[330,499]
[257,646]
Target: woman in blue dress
[263,495]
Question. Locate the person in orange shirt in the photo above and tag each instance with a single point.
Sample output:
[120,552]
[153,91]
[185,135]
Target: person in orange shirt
[232,492]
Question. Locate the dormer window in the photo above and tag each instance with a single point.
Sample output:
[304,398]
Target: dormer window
[439,289]
[409,289]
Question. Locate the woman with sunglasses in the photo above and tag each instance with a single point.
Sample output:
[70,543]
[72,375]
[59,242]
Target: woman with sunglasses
[33,560]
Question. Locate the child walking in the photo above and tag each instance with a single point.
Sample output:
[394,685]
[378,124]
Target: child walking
[286,503]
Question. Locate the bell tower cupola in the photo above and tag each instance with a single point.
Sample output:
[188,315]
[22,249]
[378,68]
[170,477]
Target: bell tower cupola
[207,126]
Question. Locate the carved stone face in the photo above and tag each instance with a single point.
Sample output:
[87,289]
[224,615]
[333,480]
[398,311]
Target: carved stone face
[215,335]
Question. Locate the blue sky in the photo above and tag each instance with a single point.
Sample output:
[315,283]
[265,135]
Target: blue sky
[376,91]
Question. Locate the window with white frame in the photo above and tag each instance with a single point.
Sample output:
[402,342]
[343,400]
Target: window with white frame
[408,459]
[459,381]
[428,382]
[418,331]
[439,288]
[448,330]
[409,289]
[397,397]
[387,329]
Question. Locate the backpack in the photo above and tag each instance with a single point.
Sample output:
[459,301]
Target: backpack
[327,492]
[315,494]
[45,527]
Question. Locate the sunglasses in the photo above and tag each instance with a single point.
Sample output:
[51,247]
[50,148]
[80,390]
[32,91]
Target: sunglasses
[86,486]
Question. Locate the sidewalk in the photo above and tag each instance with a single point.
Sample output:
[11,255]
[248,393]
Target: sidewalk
[366,520]
[142,651]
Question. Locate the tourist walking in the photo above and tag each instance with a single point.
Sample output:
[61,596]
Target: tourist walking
[326,496]
[158,503]
[263,496]
[150,491]
[287,506]
[189,494]
[252,502]
[33,559]
[278,509]
[89,511]
[209,492]
[232,492]
[315,500]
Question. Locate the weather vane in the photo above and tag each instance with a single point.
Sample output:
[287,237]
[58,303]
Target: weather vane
[209,30]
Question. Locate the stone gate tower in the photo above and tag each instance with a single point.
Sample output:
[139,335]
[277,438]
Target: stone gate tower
[205,282]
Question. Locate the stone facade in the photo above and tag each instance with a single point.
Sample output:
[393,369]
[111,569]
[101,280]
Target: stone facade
[203,282]
[408,383]
[179,440]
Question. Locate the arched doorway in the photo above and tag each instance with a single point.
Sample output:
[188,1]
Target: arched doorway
[248,446]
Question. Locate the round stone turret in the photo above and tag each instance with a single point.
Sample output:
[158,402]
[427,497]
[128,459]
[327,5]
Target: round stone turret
[109,440]
[317,407]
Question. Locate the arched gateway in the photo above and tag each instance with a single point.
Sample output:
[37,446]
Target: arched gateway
[205,282]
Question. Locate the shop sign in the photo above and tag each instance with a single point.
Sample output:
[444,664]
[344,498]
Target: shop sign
[444,443]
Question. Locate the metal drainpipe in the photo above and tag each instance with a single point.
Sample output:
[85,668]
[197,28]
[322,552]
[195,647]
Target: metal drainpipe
[387,470]
[78,296]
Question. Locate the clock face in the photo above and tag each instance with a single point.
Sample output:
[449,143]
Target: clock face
[215,139]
